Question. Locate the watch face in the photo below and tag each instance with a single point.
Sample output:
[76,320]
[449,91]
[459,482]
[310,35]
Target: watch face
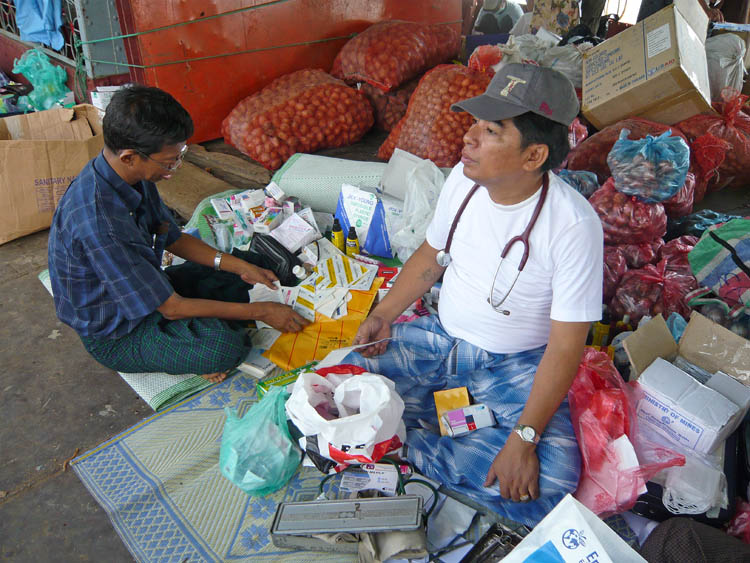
[528,433]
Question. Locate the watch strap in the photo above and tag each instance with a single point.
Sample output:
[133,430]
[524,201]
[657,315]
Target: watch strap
[217,261]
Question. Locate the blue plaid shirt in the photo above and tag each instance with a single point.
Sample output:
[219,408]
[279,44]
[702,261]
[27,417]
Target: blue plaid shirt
[105,247]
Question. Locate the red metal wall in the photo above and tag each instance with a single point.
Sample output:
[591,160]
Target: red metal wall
[209,89]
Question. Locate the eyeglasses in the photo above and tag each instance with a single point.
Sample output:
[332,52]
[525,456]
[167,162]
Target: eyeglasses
[171,168]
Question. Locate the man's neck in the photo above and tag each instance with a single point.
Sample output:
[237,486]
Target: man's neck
[515,190]
[120,169]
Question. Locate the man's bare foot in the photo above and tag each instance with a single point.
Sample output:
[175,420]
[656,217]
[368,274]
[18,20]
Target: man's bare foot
[217,377]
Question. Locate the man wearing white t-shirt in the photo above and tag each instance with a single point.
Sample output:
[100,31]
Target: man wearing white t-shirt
[520,253]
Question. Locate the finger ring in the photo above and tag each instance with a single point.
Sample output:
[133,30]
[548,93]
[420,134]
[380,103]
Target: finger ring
[524,498]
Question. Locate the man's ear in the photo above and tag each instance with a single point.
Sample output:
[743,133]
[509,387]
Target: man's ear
[535,155]
[128,157]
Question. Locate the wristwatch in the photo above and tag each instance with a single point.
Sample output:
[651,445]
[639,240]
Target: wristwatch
[527,433]
[217,261]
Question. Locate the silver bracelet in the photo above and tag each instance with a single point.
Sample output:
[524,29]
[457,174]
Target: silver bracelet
[217,261]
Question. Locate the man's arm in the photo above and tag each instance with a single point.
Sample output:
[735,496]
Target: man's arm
[195,250]
[418,275]
[516,467]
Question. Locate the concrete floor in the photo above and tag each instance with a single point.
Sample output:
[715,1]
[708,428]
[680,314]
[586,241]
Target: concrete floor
[56,400]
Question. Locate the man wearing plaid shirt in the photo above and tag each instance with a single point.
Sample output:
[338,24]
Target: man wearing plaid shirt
[105,247]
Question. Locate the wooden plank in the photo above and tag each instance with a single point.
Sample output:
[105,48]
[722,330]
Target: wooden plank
[188,187]
[237,171]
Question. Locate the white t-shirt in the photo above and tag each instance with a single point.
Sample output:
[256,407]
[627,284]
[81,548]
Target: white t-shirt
[562,279]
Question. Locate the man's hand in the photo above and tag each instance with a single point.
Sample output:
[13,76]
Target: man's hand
[372,329]
[516,468]
[282,317]
[253,274]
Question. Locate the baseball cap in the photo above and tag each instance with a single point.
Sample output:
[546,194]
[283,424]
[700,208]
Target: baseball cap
[518,88]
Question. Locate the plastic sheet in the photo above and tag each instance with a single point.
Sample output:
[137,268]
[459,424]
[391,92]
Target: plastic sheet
[304,111]
[652,290]
[592,153]
[625,219]
[430,129]
[602,411]
[389,53]
[652,168]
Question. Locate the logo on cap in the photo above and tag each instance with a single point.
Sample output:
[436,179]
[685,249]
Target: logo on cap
[514,81]
[545,108]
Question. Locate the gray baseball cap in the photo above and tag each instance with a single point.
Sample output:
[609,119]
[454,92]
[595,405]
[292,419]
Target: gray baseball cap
[518,88]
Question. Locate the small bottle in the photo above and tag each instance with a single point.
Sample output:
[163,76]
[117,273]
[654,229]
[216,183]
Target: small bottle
[352,242]
[300,272]
[337,236]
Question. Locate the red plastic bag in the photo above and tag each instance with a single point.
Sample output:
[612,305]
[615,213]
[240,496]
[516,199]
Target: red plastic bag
[592,153]
[652,290]
[304,111]
[625,219]
[389,53]
[602,409]
[391,106]
[676,251]
[681,203]
[707,153]
[484,58]
[430,129]
[615,266]
[733,126]
[638,255]
[739,527]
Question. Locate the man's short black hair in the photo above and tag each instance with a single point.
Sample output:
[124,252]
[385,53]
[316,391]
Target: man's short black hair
[145,119]
[537,129]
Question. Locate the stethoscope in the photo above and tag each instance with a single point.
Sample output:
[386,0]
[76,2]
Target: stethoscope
[443,257]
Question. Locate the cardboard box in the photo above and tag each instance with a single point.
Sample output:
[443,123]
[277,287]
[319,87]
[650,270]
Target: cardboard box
[685,412]
[655,69]
[40,154]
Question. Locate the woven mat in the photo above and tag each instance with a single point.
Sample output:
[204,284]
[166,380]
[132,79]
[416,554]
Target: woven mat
[160,484]
[158,390]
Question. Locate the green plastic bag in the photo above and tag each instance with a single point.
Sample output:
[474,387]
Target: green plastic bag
[48,80]
[257,452]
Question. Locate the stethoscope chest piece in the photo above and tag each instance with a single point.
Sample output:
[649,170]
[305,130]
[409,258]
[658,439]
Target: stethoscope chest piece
[443,258]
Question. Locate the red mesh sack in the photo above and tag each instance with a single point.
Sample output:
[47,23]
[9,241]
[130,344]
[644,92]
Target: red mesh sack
[304,111]
[615,267]
[625,219]
[389,53]
[707,153]
[430,129]
[484,58]
[391,106]
[732,126]
[681,203]
[592,153]
[676,251]
[602,410]
[651,290]
[638,255]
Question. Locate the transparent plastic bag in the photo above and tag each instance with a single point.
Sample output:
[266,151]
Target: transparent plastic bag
[638,255]
[389,53]
[257,451]
[424,183]
[652,168]
[615,266]
[652,290]
[430,129]
[592,153]
[48,80]
[585,183]
[625,219]
[617,460]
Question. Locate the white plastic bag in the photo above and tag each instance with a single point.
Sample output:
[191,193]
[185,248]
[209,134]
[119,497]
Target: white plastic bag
[424,183]
[725,55]
[572,533]
[356,418]
[568,60]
